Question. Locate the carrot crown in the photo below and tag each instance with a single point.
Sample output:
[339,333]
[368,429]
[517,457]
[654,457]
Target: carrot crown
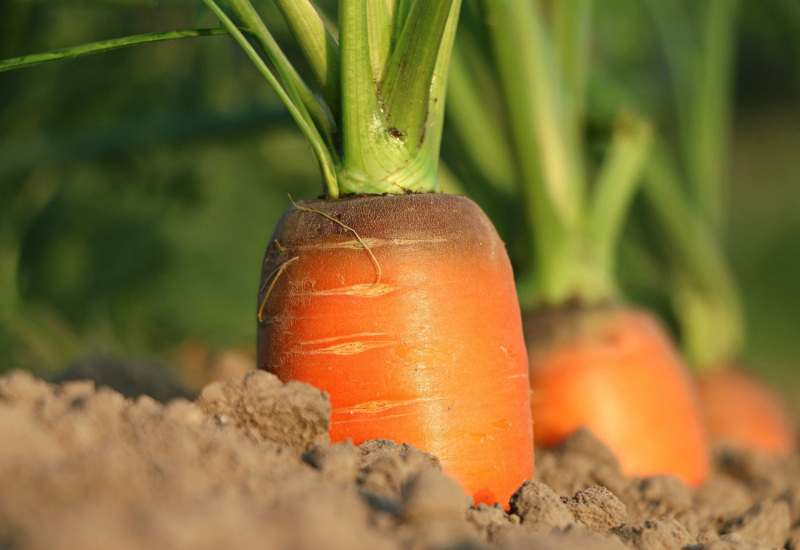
[373,114]
[572,221]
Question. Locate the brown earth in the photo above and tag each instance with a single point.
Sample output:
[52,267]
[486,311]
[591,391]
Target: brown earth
[249,464]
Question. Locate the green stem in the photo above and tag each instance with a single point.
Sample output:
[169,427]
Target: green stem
[573,22]
[706,299]
[320,113]
[616,185]
[297,110]
[552,184]
[103,46]
[678,40]
[711,110]
[476,126]
[380,26]
[369,151]
[406,86]
[317,44]
[381,153]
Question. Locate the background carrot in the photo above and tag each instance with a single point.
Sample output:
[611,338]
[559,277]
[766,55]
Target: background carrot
[593,361]
[741,411]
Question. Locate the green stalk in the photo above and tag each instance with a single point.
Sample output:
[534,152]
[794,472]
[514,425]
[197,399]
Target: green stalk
[406,86]
[711,110]
[533,93]
[380,30]
[319,111]
[706,298]
[486,145]
[616,184]
[369,150]
[383,127]
[678,40]
[573,21]
[296,109]
[102,46]
[317,44]
[516,40]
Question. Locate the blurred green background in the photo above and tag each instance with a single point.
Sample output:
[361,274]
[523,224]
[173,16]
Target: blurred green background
[138,188]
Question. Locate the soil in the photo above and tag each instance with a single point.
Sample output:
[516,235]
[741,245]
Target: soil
[249,464]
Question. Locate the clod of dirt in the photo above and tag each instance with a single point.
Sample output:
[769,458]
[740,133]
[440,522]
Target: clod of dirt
[657,496]
[767,521]
[596,509]
[338,462]
[539,508]
[582,442]
[491,522]
[656,534]
[572,538]
[582,461]
[724,496]
[294,414]
[432,494]
[386,466]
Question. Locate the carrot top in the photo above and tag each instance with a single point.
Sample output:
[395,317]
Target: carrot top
[573,211]
[374,120]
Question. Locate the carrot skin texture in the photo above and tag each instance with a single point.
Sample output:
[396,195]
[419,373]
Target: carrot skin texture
[615,371]
[432,354]
[742,412]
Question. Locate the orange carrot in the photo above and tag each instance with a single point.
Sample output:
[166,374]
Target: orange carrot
[403,309]
[742,412]
[615,372]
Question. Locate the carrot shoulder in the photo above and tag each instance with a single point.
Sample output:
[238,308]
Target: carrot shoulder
[404,310]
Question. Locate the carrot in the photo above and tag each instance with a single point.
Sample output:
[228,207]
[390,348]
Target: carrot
[397,301]
[420,343]
[615,371]
[594,361]
[742,412]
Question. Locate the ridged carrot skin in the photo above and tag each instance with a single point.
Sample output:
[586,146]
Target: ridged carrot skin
[615,371]
[742,412]
[421,344]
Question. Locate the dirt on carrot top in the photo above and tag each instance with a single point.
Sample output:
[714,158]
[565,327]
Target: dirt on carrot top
[249,464]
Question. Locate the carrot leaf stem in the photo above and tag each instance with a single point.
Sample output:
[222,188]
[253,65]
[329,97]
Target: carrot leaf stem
[406,84]
[706,298]
[572,30]
[616,184]
[103,46]
[475,124]
[391,130]
[711,109]
[318,45]
[290,99]
[319,111]
[380,29]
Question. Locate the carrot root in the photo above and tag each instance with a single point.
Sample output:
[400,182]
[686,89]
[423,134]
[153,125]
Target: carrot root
[431,354]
